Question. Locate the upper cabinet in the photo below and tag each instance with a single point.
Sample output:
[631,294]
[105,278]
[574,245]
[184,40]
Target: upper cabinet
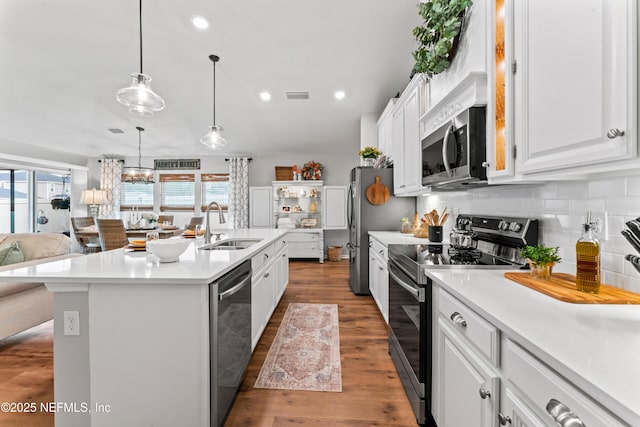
[385,130]
[571,90]
[406,138]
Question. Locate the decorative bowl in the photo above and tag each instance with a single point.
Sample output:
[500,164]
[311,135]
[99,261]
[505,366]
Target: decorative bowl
[168,250]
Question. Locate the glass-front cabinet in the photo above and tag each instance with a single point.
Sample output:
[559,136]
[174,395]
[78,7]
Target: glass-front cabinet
[297,207]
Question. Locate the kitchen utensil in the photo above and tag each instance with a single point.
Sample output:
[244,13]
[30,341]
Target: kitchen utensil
[435,233]
[634,227]
[634,260]
[632,239]
[378,193]
[444,218]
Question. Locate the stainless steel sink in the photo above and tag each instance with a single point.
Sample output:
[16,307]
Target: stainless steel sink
[230,244]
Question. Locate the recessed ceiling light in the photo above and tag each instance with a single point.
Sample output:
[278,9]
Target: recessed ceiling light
[200,22]
[265,96]
[340,94]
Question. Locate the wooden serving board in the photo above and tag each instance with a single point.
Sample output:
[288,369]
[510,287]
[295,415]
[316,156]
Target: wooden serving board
[377,193]
[562,287]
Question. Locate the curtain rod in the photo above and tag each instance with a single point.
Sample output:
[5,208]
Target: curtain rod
[250,158]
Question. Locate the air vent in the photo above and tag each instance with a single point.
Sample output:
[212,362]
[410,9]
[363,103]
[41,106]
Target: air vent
[297,95]
[115,130]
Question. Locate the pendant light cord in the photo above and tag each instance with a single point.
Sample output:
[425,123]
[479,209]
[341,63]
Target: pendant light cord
[139,146]
[140,15]
[214,93]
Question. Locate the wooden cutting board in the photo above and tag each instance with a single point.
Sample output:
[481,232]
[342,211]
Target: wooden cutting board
[562,287]
[378,193]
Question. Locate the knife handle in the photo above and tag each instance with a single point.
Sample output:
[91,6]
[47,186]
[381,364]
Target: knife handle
[634,260]
[633,240]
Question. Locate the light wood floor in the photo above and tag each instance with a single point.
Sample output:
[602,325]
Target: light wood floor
[371,391]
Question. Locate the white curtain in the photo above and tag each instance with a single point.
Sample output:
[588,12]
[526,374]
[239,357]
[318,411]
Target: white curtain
[239,192]
[110,180]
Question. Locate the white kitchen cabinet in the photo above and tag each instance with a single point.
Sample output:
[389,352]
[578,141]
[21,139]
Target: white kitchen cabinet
[407,174]
[269,281]
[385,129]
[516,413]
[335,207]
[260,199]
[539,388]
[379,276]
[464,378]
[305,244]
[574,91]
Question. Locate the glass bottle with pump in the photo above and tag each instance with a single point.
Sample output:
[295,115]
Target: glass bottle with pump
[588,259]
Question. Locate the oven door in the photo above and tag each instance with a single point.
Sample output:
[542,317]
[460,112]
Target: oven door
[409,319]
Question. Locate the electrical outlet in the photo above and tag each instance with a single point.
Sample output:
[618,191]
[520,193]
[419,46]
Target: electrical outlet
[71,323]
[601,221]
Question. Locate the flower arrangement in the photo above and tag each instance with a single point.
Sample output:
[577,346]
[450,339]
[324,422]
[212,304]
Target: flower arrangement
[150,217]
[312,171]
[369,152]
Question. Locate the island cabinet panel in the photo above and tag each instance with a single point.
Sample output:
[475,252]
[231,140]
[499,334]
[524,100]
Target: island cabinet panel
[379,276]
[575,92]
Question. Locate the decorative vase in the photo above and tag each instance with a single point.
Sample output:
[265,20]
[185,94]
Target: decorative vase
[407,227]
[368,161]
[541,271]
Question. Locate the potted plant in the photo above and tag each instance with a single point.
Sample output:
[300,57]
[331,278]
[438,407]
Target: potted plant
[438,35]
[369,155]
[541,259]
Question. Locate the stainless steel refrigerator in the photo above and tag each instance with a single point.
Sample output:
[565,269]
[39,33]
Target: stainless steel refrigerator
[364,217]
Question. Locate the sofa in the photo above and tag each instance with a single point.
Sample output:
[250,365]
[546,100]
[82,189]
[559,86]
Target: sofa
[24,305]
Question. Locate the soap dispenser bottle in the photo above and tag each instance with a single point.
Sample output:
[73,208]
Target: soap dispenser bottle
[588,259]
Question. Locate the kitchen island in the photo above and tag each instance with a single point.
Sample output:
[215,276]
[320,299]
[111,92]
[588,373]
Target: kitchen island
[583,355]
[141,355]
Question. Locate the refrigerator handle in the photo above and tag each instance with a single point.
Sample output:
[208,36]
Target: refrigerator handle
[350,206]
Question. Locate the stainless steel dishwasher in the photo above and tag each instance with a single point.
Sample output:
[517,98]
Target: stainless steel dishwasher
[230,337]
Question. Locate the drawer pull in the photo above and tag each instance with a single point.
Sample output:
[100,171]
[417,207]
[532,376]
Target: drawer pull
[562,414]
[266,256]
[484,393]
[380,268]
[381,252]
[459,320]
[614,133]
[504,419]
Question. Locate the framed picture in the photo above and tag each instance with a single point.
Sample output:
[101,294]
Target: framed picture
[286,208]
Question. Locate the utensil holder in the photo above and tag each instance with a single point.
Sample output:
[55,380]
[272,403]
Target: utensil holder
[435,233]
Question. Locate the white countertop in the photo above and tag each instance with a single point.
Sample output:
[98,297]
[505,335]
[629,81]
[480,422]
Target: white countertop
[398,238]
[122,267]
[595,346]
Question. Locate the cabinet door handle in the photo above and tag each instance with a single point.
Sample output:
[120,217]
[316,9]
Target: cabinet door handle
[266,275]
[504,419]
[563,415]
[459,320]
[484,393]
[266,256]
[614,133]
[380,268]
[381,252]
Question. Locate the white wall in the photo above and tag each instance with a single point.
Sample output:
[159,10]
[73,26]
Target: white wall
[561,208]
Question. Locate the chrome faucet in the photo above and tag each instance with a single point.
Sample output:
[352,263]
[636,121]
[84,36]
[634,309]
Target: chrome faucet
[207,233]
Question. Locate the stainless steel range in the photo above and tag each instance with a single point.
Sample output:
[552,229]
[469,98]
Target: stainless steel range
[476,242]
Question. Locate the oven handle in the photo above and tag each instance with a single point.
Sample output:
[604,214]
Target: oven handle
[417,293]
[445,144]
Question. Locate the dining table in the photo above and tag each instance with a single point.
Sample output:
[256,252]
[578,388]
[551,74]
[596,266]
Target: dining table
[135,233]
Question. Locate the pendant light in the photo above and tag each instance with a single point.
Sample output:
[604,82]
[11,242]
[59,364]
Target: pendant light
[138,175]
[139,97]
[213,140]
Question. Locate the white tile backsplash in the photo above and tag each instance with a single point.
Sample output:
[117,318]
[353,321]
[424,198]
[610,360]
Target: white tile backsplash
[561,208]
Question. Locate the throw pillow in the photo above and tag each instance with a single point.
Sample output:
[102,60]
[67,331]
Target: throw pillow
[11,254]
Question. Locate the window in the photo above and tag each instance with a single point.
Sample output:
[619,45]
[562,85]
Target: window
[177,192]
[136,194]
[215,188]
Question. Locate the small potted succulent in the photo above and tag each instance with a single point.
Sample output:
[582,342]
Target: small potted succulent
[541,259]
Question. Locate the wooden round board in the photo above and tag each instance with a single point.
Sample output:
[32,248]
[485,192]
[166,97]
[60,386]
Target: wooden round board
[378,193]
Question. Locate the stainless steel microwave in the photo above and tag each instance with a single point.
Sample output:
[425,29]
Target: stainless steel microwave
[453,155]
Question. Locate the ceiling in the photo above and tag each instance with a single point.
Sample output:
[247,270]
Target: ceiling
[62,61]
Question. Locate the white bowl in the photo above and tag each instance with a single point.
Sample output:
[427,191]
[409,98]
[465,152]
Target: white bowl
[168,250]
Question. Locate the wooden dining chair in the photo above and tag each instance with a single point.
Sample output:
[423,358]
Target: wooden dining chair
[195,220]
[112,234]
[87,244]
[163,218]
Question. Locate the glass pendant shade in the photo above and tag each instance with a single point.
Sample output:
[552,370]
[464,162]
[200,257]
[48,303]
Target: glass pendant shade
[139,98]
[214,140]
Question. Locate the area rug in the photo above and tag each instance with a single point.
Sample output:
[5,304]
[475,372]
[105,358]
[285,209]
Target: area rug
[305,354]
